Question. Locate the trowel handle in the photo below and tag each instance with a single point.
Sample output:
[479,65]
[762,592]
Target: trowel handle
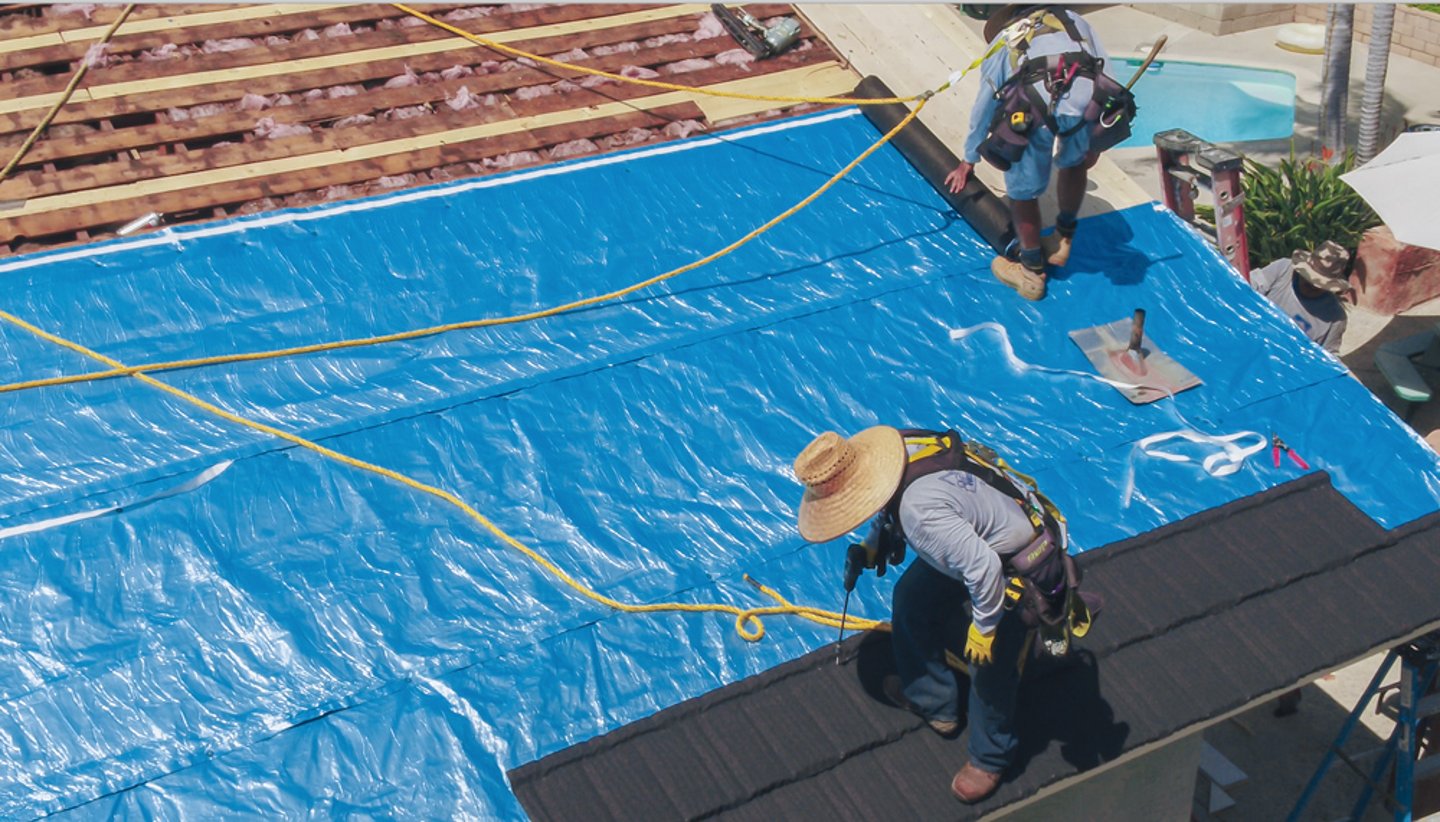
[1154,52]
[1137,330]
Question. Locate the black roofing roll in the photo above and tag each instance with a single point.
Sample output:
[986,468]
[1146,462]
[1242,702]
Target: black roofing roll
[977,204]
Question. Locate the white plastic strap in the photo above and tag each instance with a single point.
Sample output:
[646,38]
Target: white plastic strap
[1230,454]
[183,488]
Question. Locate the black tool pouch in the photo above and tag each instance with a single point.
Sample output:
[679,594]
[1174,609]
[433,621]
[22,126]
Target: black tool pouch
[1047,578]
[1003,146]
[1110,113]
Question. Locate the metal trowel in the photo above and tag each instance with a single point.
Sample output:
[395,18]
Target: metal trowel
[1122,353]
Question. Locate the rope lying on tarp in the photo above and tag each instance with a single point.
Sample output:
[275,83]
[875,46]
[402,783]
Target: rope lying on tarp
[195,362]
[291,351]
[748,621]
[66,94]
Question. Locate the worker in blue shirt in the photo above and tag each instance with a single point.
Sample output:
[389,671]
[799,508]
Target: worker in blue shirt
[1041,95]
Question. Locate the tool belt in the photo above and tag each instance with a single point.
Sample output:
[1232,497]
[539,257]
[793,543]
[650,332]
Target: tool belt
[1023,108]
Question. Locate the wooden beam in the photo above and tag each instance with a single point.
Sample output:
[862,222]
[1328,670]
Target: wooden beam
[313,111]
[410,51]
[33,185]
[33,218]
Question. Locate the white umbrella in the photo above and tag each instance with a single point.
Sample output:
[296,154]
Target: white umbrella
[1402,184]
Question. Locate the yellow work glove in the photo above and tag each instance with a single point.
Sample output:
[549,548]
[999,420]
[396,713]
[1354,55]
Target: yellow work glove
[977,646]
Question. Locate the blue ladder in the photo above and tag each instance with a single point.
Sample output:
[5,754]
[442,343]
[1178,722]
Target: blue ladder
[1419,661]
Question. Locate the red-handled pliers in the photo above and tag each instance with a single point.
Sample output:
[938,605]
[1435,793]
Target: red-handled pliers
[1277,445]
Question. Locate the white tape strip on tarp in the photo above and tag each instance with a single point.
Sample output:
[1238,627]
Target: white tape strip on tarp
[183,488]
[1229,457]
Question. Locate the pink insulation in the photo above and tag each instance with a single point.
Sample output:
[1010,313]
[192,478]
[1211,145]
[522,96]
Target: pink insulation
[227,44]
[340,192]
[632,137]
[257,206]
[274,40]
[629,47]
[456,72]
[353,120]
[407,112]
[336,92]
[429,78]
[467,13]
[595,81]
[313,94]
[572,56]
[406,80]
[574,148]
[514,8]
[490,66]
[337,30]
[266,128]
[86,9]
[254,102]
[665,40]
[97,56]
[305,36]
[169,51]
[532,92]
[735,57]
[680,129]
[686,66]
[512,160]
[461,100]
[566,87]
[197,112]
[411,22]
[710,27]
[398,181]
[638,73]
[278,100]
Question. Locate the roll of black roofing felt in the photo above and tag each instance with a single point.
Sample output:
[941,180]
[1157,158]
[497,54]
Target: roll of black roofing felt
[977,204]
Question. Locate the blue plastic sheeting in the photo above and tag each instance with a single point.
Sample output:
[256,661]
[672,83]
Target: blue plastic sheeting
[298,636]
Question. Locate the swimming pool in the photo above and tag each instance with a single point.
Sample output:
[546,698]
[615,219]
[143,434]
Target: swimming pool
[1222,104]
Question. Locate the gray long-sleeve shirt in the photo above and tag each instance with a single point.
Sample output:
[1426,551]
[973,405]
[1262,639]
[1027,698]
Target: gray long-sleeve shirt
[996,70]
[960,526]
[1322,318]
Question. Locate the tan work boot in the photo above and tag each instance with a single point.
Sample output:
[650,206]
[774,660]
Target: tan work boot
[895,692]
[1014,274]
[1057,249]
[972,784]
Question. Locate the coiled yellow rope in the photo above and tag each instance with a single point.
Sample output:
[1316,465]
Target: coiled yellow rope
[132,370]
[658,84]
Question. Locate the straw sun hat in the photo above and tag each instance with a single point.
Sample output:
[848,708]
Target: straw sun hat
[847,481]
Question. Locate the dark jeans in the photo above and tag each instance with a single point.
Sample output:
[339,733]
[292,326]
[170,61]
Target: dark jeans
[926,603]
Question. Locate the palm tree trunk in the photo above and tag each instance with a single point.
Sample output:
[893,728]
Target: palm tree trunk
[1376,65]
[1335,93]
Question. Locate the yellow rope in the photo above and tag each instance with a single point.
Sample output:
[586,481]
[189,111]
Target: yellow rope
[748,621]
[64,96]
[133,370]
[501,47]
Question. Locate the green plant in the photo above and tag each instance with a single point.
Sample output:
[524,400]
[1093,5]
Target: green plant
[1299,204]
[1430,7]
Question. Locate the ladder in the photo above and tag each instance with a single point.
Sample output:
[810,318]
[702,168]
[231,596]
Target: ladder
[1413,704]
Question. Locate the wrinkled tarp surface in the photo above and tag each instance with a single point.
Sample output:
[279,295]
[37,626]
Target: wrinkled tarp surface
[299,636]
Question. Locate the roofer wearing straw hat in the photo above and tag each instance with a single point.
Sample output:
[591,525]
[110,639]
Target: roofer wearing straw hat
[1044,98]
[970,526]
[1306,286]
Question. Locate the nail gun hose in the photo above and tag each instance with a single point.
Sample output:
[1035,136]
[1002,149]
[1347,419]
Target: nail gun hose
[977,204]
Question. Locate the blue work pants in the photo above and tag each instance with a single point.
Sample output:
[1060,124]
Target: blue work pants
[926,604]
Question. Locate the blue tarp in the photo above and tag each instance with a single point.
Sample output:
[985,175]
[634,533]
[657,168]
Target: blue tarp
[299,636]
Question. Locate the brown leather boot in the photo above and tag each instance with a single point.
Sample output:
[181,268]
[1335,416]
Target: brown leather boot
[972,784]
[1057,249]
[1030,284]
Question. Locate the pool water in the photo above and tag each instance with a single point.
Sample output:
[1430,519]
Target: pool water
[1221,104]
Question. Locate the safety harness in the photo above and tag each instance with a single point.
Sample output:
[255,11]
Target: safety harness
[1022,106]
[1043,577]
